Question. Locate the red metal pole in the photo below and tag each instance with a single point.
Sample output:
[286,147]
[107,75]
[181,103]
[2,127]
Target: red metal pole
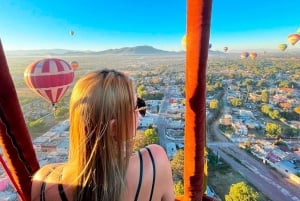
[15,140]
[198,30]
[12,178]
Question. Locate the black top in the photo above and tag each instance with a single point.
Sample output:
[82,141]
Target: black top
[63,196]
[61,191]
[141,174]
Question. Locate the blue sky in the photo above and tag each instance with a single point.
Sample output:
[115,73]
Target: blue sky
[256,24]
[100,25]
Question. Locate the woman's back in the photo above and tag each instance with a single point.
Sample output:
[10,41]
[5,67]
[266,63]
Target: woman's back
[159,167]
[143,175]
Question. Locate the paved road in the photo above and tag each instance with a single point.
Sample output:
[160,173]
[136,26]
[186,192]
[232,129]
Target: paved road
[161,122]
[266,180]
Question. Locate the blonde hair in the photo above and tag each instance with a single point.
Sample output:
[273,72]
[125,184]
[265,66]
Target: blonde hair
[97,150]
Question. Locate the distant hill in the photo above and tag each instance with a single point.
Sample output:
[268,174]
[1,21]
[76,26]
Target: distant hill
[138,50]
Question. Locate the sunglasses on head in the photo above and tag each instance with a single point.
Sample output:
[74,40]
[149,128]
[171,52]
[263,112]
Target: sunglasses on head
[141,106]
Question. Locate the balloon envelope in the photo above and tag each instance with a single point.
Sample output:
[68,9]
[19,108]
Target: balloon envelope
[253,55]
[49,78]
[244,55]
[72,32]
[282,46]
[293,38]
[225,49]
[74,65]
[298,31]
[183,42]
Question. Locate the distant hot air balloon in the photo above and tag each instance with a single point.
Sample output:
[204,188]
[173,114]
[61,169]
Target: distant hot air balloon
[74,65]
[293,38]
[72,32]
[298,31]
[225,49]
[244,55]
[49,78]
[183,42]
[282,46]
[253,55]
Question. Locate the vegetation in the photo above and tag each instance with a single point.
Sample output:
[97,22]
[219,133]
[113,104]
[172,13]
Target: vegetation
[242,192]
[272,113]
[144,138]
[139,141]
[213,104]
[221,177]
[151,136]
[179,188]
[177,165]
[61,112]
[236,102]
[273,130]
[36,124]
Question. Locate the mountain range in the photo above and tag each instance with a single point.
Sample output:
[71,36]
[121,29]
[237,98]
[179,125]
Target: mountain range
[137,50]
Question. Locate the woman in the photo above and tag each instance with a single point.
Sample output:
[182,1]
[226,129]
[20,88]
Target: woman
[104,115]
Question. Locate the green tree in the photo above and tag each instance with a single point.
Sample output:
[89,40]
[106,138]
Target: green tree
[179,188]
[241,192]
[213,104]
[36,124]
[218,85]
[141,91]
[265,109]
[297,110]
[273,130]
[139,141]
[210,88]
[236,102]
[284,83]
[61,112]
[275,114]
[177,165]
[265,96]
[151,136]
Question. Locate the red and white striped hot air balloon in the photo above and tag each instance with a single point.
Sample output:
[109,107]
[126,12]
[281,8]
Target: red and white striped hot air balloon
[49,78]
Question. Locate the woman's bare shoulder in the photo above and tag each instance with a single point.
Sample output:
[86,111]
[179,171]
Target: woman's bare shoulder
[164,173]
[158,152]
[40,177]
[42,173]
[160,157]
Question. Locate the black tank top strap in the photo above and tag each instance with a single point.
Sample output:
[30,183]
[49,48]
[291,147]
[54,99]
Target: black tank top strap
[141,176]
[42,194]
[62,194]
[154,172]
[43,188]
[61,191]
